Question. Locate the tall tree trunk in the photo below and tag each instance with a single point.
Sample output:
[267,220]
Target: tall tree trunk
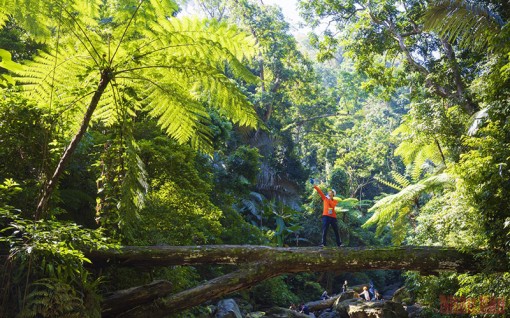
[42,206]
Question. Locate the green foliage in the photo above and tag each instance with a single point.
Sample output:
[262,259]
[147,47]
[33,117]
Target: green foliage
[25,133]
[395,209]
[472,24]
[187,77]
[47,266]
[426,289]
[448,220]
[176,216]
[6,63]
[483,184]
[273,292]
[53,298]
[305,286]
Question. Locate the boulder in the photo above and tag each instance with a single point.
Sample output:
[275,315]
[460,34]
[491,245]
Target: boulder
[357,308]
[349,294]
[327,303]
[329,314]
[414,311]
[279,312]
[342,307]
[227,308]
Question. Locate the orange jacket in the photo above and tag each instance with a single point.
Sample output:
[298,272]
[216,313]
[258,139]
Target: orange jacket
[328,204]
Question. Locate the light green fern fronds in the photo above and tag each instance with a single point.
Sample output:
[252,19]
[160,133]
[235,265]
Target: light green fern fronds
[415,157]
[400,179]
[415,150]
[42,17]
[401,204]
[388,183]
[6,63]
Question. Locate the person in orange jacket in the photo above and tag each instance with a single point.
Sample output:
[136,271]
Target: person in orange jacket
[328,214]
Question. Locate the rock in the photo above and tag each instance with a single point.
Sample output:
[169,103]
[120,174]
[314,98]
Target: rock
[389,291]
[356,308]
[342,307]
[278,312]
[329,314]
[349,294]
[414,311]
[328,303]
[227,308]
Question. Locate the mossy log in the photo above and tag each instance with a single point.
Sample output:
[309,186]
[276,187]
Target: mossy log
[327,303]
[260,262]
[292,260]
[115,303]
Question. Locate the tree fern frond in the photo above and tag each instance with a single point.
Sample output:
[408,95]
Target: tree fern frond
[388,183]
[178,112]
[212,42]
[471,23]
[176,98]
[61,86]
[400,179]
[38,16]
[386,209]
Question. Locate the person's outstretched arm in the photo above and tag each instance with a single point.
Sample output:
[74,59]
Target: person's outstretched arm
[320,192]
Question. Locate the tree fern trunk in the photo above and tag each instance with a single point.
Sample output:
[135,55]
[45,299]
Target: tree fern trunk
[42,206]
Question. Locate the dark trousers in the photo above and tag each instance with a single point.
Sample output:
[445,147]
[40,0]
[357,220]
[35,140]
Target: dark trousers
[326,221]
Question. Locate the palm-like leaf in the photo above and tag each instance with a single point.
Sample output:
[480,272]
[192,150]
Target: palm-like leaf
[473,24]
[391,209]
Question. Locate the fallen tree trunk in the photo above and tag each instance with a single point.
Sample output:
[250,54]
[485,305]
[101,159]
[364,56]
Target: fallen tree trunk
[292,260]
[210,290]
[115,304]
[262,262]
[327,303]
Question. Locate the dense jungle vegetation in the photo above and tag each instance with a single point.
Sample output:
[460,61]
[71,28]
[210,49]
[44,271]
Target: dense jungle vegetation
[128,122]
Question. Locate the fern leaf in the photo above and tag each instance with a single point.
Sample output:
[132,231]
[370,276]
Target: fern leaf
[400,179]
[401,203]
[388,183]
[471,23]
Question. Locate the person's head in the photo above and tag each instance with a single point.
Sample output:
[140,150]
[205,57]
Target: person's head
[331,193]
[365,288]
[345,283]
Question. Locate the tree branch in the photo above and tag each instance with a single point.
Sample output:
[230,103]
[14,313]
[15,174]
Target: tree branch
[390,26]
[468,104]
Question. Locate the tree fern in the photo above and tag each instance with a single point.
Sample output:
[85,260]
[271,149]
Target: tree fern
[173,67]
[416,149]
[393,209]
